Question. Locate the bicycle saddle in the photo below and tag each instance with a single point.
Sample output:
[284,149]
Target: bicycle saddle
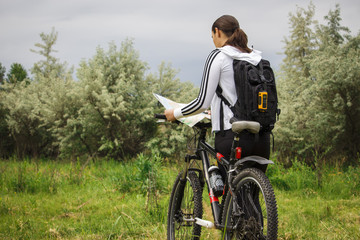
[239,126]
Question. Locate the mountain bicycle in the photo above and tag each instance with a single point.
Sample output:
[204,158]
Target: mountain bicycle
[248,208]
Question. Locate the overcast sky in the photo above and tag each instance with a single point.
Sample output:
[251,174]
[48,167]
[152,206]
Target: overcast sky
[163,30]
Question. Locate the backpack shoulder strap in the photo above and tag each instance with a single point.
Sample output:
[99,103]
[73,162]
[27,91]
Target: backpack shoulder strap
[219,94]
[223,100]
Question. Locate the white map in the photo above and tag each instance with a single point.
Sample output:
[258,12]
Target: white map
[189,121]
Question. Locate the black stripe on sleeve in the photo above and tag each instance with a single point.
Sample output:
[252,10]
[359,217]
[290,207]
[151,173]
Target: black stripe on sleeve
[197,103]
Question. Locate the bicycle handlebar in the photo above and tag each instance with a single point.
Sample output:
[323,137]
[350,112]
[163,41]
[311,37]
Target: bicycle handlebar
[160,116]
[199,124]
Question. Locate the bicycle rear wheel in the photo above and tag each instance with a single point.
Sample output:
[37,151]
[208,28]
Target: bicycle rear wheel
[254,213]
[185,205]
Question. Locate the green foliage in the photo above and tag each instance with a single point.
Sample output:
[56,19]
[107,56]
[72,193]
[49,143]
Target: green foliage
[318,91]
[108,112]
[17,73]
[148,171]
[29,135]
[171,139]
[2,74]
[6,143]
[50,67]
[299,44]
[332,32]
[144,175]
[336,99]
[35,108]
[293,82]
[114,118]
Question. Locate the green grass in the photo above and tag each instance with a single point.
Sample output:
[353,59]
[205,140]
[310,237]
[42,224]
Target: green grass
[105,199]
[315,217]
[317,204]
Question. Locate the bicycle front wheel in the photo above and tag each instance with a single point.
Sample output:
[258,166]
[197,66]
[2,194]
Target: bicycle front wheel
[251,211]
[185,205]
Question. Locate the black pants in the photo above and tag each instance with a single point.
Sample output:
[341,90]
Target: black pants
[248,143]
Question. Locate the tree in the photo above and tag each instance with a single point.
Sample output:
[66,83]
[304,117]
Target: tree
[115,118]
[34,109]
[50,67]
[336,105]
[300,43]
[56,98]
[17,73]
[2,73]
[332,32]
[293,84]
[321,108]
[6,143]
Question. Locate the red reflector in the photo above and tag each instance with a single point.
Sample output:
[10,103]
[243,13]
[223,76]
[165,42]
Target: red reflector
[238,152]
[219,156]
[213,198]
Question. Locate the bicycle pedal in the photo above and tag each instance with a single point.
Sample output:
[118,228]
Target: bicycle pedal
[204,223]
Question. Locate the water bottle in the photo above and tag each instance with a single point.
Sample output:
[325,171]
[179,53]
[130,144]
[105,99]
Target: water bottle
[216,182]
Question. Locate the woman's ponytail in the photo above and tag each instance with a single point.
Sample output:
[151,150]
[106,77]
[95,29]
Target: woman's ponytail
[239,40]
[231,28]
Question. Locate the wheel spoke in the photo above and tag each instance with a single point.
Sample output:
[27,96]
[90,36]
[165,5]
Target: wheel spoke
[253,198]
[186,205]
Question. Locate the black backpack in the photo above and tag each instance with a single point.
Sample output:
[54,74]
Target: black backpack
[257,96]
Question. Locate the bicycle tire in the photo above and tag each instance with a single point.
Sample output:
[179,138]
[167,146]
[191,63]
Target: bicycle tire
[258,218]
[185,201]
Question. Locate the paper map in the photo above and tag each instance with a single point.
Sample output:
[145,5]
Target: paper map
[189,121]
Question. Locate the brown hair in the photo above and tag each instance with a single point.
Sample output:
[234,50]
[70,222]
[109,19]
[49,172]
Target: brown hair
[231,28]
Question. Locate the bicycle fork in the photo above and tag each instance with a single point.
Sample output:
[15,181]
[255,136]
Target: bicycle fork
[198,221]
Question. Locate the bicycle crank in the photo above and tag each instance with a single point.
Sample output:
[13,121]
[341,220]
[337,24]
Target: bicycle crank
[201,222]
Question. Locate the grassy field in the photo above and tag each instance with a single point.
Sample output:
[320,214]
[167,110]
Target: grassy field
[105,199]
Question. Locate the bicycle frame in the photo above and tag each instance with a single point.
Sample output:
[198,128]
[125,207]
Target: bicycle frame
[203,149]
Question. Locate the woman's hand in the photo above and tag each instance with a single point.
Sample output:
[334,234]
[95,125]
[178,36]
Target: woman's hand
[169,113]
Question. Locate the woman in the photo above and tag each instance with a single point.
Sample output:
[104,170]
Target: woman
[231,43]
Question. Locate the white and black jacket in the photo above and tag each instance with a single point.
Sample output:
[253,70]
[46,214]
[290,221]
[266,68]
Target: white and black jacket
[218,70]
